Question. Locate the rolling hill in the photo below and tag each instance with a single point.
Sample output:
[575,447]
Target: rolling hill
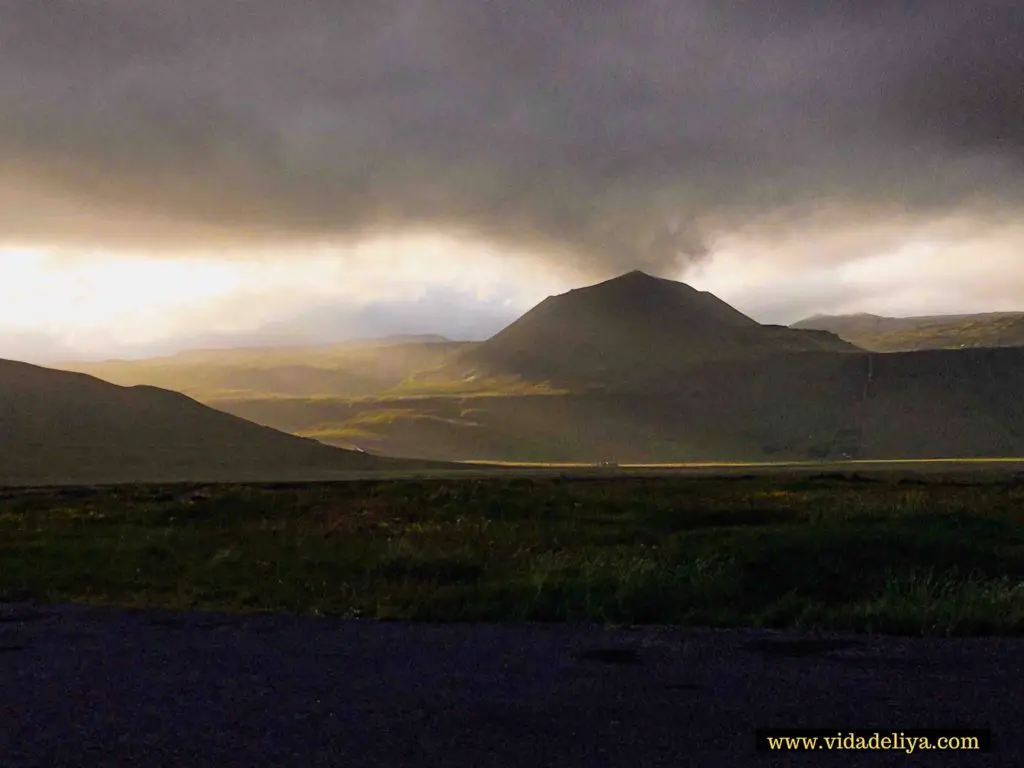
[906,334]
[64,427]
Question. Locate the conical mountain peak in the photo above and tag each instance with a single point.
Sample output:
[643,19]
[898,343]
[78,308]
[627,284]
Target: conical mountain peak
[634,278]
[635,274]
[631,327]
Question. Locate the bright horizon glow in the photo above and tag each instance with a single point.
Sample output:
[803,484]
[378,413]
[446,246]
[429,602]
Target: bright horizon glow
[939,270]
[61,307]
[95,305]
[104,294]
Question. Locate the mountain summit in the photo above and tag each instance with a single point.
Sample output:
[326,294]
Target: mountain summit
[632,329]
[637,297]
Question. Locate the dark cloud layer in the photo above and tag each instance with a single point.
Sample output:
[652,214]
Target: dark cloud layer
[611,135]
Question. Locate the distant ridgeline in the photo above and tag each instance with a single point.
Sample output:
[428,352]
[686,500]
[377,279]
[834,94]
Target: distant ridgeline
[633,369]
[905,334]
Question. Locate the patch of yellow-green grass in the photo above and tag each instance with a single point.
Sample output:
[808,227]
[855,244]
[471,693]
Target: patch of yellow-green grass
[483,386]
[366,425]
[386,416]
[382,416]
[329,434]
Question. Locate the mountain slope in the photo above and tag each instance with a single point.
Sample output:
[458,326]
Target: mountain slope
[647,370]
[905,334]
[61,427]
[634,331]
[800,406]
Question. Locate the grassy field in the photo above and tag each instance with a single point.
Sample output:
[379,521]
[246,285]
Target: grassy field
[911,556]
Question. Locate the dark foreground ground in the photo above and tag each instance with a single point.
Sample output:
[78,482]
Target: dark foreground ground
[925,551]
[87,686]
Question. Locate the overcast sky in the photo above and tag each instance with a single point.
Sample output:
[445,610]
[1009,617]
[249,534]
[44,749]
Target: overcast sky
[193,172]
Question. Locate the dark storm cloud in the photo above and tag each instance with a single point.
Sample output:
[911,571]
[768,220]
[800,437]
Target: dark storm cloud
[614,135]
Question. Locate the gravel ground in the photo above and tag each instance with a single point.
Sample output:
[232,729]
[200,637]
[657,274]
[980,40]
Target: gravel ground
[86,686]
